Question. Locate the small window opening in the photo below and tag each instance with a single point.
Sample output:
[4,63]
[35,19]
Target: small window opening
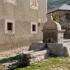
[33,27]
[9,26]
[67,16]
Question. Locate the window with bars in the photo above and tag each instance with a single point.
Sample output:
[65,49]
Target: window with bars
[67,16]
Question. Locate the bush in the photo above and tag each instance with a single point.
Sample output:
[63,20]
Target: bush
[23,61]
[17,57]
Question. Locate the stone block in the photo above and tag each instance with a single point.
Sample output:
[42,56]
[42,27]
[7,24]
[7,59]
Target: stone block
[55,49]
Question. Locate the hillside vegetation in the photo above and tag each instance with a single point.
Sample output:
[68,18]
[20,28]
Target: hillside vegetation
[57,3]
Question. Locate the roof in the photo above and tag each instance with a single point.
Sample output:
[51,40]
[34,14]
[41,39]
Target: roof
[52,25]
[62,7]
[52,10]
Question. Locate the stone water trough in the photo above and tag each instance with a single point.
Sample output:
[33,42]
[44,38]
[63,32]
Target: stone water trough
[36,53]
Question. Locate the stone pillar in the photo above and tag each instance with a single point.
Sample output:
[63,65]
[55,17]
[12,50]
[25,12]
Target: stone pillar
[60,35]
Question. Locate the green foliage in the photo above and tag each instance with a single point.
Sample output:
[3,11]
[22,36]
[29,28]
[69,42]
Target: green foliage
[17,57]
[50,62]
[55,16]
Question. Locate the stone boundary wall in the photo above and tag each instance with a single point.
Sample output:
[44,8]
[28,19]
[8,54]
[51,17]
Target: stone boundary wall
[37,56]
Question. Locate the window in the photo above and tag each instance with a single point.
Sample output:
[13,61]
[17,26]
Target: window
[9,26]
[67,16]
[34,4]
[33,27]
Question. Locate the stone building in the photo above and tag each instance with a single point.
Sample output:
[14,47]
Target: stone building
[57,30]
[62,16]
[21,22]
[53,37]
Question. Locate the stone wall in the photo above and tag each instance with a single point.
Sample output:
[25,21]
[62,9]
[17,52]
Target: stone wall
[55,49]
[37,56]
[50,35]
[66,44]
[23,15]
